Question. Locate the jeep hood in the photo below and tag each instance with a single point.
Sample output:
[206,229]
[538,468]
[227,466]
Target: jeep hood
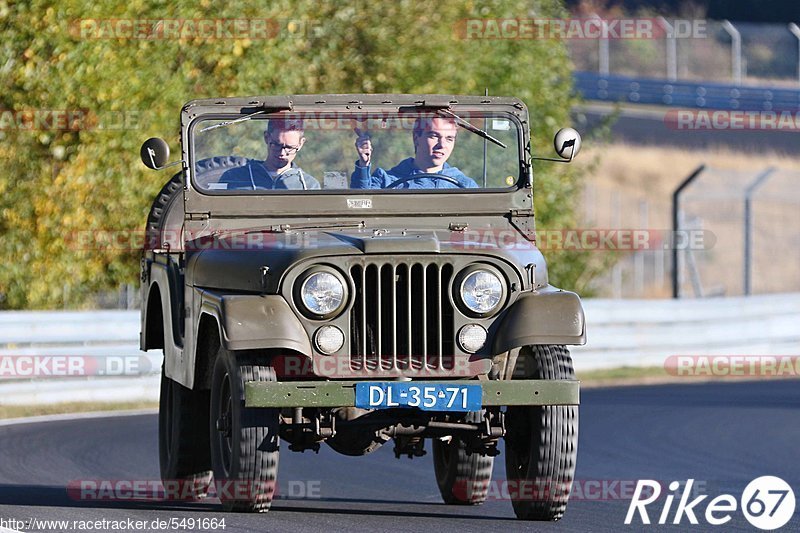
[257,261]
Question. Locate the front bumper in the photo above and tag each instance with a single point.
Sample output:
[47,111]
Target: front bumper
[342,393]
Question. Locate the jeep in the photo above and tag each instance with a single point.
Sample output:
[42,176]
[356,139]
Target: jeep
[354,270]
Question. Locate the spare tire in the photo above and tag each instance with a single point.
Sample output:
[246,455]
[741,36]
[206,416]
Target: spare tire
[165,220]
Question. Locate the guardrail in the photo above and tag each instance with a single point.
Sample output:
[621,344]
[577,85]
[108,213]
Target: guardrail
[642,333]
[632,333]
[612,88]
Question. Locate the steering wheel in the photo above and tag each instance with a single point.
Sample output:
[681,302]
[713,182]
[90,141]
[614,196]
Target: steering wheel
[401,181]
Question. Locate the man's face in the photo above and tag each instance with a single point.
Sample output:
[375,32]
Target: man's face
[435,143]
[282,147]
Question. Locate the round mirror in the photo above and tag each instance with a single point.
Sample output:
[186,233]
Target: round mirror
[567,143]
[154,153]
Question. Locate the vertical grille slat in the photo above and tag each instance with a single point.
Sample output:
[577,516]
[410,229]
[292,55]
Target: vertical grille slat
[424,291]
[363,317]
[439,315]
[409,341]
[379,311]
[394,282]
[402,318]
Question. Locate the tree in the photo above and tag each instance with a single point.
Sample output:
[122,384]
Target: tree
[61,182]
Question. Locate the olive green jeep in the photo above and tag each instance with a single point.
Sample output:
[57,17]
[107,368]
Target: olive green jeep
[354,270]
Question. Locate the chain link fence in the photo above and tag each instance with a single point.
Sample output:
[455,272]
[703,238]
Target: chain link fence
[769,53]
[738,234]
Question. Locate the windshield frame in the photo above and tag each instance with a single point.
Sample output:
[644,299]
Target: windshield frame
[195,124]
[275,201]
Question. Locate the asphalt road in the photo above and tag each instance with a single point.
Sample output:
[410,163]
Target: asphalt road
[722,435]
[637,126]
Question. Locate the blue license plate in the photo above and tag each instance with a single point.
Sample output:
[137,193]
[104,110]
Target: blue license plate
[425,396]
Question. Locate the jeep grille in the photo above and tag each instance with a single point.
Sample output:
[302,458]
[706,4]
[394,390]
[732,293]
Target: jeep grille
[402,317]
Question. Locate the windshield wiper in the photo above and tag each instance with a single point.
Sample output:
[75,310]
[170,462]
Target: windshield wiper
[474,129]
[234,121]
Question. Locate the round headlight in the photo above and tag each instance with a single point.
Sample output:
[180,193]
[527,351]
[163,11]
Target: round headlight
[482,291]
[322,293]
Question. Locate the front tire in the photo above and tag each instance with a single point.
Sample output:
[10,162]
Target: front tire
[542,441]
[463,478]
[184,456]
[244,441]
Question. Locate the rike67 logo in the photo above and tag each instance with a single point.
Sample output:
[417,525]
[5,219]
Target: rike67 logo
[767,503]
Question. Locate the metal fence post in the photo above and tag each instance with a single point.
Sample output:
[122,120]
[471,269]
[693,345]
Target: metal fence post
[748,226]
[603,44]
[672,49]
[736,51]
[796,32]
[676,224]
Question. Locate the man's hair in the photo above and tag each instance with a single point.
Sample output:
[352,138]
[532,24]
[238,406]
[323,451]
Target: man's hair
[424,123]
[277,125]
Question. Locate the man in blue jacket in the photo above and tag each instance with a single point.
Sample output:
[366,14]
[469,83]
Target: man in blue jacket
[434,140]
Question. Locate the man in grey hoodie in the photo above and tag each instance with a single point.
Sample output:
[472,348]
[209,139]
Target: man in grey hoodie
[284,139]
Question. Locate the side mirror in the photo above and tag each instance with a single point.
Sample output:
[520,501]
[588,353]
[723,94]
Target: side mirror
[567,143]
[155,153]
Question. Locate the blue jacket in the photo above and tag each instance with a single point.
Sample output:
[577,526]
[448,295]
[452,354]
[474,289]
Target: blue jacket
[254,176]
[380,179]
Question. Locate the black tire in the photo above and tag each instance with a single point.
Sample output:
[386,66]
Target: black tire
[165,218]
[244,441]
[463,478]
[184,456]
[542,442]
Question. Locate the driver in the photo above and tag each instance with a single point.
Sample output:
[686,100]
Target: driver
[434,140]
[284,138]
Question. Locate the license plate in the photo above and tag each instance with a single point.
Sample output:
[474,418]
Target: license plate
[428,397]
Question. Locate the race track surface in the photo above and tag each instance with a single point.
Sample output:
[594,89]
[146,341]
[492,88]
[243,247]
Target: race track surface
[723,435]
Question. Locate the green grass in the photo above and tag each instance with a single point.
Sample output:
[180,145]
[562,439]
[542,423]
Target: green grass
[624,373]
[18,411]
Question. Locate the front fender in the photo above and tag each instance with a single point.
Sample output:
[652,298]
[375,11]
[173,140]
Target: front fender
[249,322]
[550,316]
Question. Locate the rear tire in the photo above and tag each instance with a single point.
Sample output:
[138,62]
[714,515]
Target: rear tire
[463,478]
[244,441]
[542,441]
[184,456]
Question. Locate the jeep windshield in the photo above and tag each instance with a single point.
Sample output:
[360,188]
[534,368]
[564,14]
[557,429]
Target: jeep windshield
[391,152]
